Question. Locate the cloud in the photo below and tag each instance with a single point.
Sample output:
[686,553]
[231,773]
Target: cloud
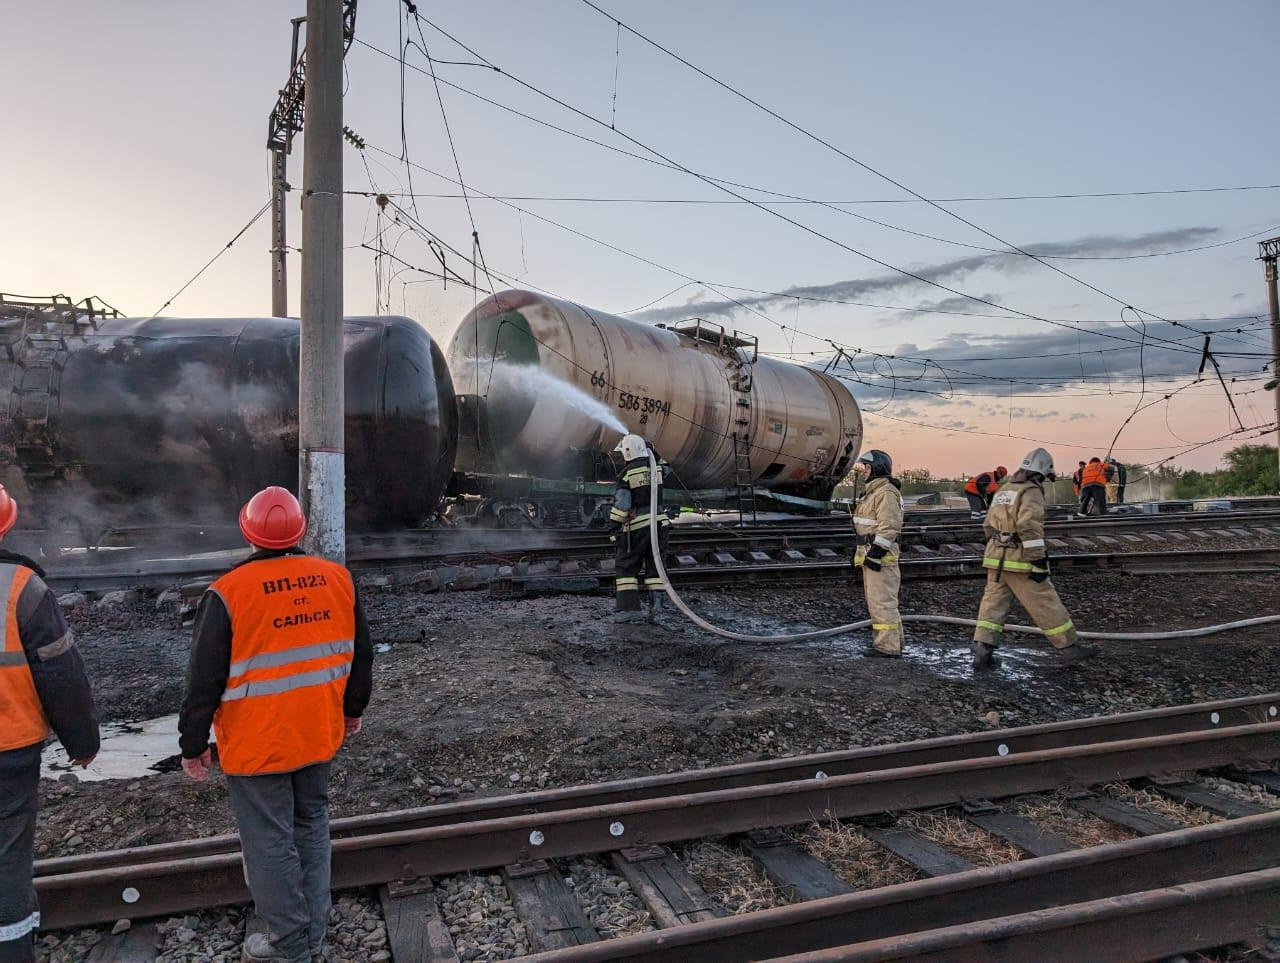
[1064,361]
[945,272]
[952,305]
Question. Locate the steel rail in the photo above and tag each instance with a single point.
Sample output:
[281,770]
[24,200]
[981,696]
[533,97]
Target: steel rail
[1152,862]
[435,545]
[152,889]
[1136,926]
[1091,730]
[954,566]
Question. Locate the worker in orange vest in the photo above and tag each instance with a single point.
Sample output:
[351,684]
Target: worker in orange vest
[43,685]
[282,667]
[980,489]
[1093,487]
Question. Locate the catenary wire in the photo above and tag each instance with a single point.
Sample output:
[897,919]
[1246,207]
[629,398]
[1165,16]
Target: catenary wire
[221,251]
[854,160]
[798,224]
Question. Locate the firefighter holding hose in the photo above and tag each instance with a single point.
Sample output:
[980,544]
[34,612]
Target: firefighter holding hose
[636,578]
[1017,564]
[877,523]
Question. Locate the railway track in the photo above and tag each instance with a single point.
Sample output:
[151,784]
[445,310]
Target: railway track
[798,549]
[1163,888]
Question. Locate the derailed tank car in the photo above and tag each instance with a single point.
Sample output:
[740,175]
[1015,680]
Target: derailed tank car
[536,377]
[168,423]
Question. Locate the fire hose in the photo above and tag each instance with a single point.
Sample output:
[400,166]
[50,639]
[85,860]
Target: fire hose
[702,623]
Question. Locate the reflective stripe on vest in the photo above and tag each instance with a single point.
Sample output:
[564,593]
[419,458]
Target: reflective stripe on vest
[642,522]
[292,631]
[22,719]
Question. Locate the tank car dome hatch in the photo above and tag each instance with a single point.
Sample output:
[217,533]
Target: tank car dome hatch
[174,421]
[545,387]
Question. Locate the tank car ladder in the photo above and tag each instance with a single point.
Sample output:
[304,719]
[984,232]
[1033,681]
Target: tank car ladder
[744,477]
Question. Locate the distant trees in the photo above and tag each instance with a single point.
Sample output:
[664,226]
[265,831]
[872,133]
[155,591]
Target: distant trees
[1249,470]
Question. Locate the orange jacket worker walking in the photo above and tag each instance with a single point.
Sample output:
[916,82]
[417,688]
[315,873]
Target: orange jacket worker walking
[281,667]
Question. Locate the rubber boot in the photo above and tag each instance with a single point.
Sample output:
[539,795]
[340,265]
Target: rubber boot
[656,602]
[872,652]
[627,615]
[1075,654]
[984,657]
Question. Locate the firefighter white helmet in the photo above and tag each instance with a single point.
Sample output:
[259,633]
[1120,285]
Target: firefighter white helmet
[632,447]
[1038,461]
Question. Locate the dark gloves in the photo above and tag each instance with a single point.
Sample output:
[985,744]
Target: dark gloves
[872,563]
[874,555]
[1040,570]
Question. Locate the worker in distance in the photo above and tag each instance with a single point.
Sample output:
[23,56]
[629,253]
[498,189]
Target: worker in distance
[43,686]
[1017,564]
[877,525]
[636,577]
[281,666]
[1093,486]
[980,489]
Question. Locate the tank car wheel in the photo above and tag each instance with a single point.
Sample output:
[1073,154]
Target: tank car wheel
[513,518]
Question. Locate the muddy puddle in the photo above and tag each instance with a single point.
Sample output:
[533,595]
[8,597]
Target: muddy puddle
[129,750]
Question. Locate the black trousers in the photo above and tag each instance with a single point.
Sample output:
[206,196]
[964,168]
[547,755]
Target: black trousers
[1093,500]
[976,502]
[19,914]
[634,571]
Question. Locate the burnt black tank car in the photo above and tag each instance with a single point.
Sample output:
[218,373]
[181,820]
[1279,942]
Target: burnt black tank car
[172,423]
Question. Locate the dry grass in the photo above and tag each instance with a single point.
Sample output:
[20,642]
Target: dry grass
[730,877]
[853,857]
[962,838]
[1153,802]
[1083,829]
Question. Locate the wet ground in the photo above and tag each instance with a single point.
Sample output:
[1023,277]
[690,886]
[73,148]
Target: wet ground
[475,695]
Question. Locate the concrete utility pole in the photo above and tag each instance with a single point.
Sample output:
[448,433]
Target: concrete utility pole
[321,446]
[284,122]
[1268,251]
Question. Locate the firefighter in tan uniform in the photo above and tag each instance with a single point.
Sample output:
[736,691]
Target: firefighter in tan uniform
[877,522]
[1017,564]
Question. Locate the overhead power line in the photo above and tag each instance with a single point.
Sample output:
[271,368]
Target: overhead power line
[856,161]
[221,251]
[782,197]
[572,198]
[798,224]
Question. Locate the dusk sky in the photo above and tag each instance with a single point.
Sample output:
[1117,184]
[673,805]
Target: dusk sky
[135,149]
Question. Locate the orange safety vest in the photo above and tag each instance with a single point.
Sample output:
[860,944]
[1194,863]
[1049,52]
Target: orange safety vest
[22,719]
[971,486]
[293,626]
[1095,473]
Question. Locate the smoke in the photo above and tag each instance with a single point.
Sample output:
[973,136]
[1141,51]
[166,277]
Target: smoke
[534,383]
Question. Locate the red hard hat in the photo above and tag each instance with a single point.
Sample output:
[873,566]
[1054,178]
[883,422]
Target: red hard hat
[8,511]
[273,519]
[1001,471]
